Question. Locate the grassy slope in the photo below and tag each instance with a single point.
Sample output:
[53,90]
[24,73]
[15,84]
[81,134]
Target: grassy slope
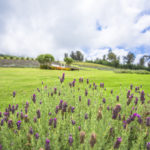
[25,80]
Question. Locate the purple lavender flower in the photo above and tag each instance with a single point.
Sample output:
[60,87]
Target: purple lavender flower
[37,136]
[16,106]
[2,122]
[140,121]
[72,109]
[31,130]
[55,122]
[148,121]
[34,98]
[142,97]
[47,144]
[57,109]
[87,81]
[128,94]
[18,124]
[1,147]
[38,113]
[64,107]
[111,91]
[117,98]
[27,104]
[118,142]
[124,124]
[104,100]
[51,93]
[148,146]
[55,90]
[136,101]
[50,121]
[21,115]
[86,116]
[26,118]
[14,94]
[70,140]
[89,102]
[10,123]
[0,114]
[49,113]
[73,122]
[131,86]
[79,128]
[102,85]
[35,119]
[60,104]
[86,92]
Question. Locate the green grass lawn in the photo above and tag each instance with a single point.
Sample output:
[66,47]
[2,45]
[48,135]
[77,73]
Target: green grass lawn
[25,80]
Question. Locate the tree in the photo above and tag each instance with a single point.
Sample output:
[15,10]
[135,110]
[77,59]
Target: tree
[77,56]
[142,61]
[129,59]
[111,56]
[68,60]
[65,55]
[45,59]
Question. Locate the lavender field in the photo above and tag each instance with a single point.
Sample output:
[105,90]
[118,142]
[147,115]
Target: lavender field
[78,114]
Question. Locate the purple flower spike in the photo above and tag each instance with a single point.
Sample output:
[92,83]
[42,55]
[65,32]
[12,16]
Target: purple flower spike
[55,122]
[18,124]
[50,122]
[89,102]
[117,98]
[31,130]
[0,114]
[2,122]
[34,98]
[104,100]
[72,109]
[47,144]
[35,119]
[14,94]
[148,146]
[86,116]
[73,122]
[118,142]
[148,121]
[70,140]
[79,128]
[10,123]
[38,113]
[37,136]
[80,98]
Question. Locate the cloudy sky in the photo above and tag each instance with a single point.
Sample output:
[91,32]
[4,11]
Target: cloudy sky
[32,27]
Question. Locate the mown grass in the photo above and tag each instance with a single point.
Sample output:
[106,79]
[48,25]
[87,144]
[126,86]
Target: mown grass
[25,80]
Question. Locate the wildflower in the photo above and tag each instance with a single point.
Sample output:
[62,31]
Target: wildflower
[17,114]
[111,91]
[55,122]
[47,144]
[37,136]
[86,92]
[26,118]
[148,146]
[2,122]
[89,102]
[86,116]
[128,94]
[148,121]
[31,130]
[38,113]
[1,147]
[57,109]
[131,86]
[93,140]
[79,128]
[14,94]
[117,98]
[142,97]
[16,106]
[21,115]
[60,104]
[72,109]
[99,115]
[64,107]
[73,122]
[18,124]
[49,113]
[34,98]
[50,121]
[10,123]
[102,85]
[27,104]
[104,100]
[136,101]
[108,108]
[82,137]
[70,140]
[55,90]
[87,81]
[51,93]
[118,142]
[129,100]
[35,119]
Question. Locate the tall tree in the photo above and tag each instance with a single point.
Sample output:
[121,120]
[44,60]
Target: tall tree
[65,55]
[79,56]
[129,59]
[142,61]
[111,56]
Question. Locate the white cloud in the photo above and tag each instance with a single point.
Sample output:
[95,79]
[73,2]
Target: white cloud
[50,26]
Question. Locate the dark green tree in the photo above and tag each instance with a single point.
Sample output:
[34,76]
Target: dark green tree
[129,59]
[68,60]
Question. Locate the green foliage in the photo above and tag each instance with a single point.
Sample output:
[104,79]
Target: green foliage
[68,60]
[78,56]
[45,59]
[129,59]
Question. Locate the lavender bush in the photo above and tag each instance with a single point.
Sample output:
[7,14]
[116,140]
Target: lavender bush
[78,115]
